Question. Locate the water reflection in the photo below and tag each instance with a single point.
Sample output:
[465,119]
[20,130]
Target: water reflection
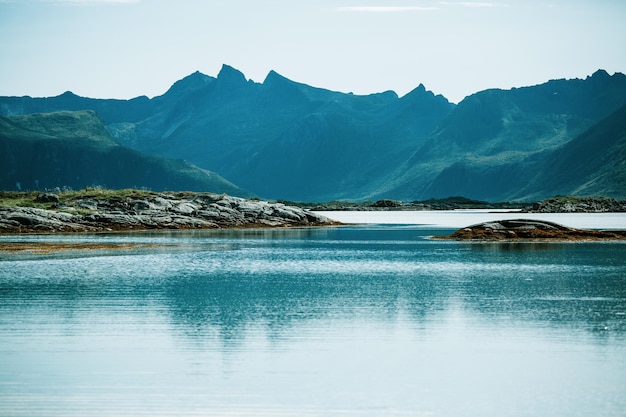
[279,302]
[227,281]
[361,321]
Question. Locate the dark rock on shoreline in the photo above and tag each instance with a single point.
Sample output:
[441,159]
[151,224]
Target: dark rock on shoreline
[531,230]
[450,203]
[47,198]
[155,211]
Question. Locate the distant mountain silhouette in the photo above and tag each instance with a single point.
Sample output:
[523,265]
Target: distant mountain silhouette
[74,149]
[286,140]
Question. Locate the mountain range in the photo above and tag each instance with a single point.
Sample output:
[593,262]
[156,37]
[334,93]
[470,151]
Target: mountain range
[280,139]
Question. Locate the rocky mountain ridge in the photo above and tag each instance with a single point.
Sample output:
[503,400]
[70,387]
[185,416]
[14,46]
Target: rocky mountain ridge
[281,139]
[495,142]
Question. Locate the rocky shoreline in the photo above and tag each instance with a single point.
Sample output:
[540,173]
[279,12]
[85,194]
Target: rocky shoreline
[150,211]
[452,203]
[531,230]
[566,204]
[578,205]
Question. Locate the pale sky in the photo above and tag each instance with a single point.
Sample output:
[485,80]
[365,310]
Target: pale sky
[127,48]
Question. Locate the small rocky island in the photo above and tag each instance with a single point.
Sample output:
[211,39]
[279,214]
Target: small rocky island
[531,230]
[124,210]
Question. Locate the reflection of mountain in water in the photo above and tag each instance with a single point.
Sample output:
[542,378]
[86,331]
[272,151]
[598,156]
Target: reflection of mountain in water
[400,278]
[280,281]
[233,302]
[577,285]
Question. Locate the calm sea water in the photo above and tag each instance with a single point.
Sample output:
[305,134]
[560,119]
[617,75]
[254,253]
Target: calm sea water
[369,320]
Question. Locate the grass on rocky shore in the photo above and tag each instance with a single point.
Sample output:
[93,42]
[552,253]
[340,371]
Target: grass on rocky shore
[21,199]
[66,197]
[30,198]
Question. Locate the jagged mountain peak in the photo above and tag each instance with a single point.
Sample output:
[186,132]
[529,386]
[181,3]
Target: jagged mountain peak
[68,94]
[191,82]
[231,75]
[420,92]
[269,137]
[600,74]
[600,79]
[195,78]
[274,77]
[290,91]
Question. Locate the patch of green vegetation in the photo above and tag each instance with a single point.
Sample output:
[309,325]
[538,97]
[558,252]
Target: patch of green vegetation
[330,205]
[97,193]
[66,198]
[21,199]
[77,210]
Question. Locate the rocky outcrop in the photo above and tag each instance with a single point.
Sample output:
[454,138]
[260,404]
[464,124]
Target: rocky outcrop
[579,205]
[155,211]
[449,203]
[47,198]
[531,230]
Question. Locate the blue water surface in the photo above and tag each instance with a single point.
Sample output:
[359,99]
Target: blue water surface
[369,320]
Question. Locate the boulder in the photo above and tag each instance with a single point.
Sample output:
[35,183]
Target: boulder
[536,230]
[47,198]
[185,207]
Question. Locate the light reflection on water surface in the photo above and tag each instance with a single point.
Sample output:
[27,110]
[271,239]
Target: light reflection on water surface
[364,321]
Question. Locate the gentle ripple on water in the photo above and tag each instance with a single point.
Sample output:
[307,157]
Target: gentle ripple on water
[358,321]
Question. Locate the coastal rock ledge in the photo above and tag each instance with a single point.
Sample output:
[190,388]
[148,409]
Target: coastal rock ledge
[155,211]
[531,230]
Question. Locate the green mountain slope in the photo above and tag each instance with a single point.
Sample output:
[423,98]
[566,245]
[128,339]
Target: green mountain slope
[74,149]
[594,163]
[495,141]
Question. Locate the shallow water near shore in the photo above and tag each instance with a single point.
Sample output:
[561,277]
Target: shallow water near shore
[365,320]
